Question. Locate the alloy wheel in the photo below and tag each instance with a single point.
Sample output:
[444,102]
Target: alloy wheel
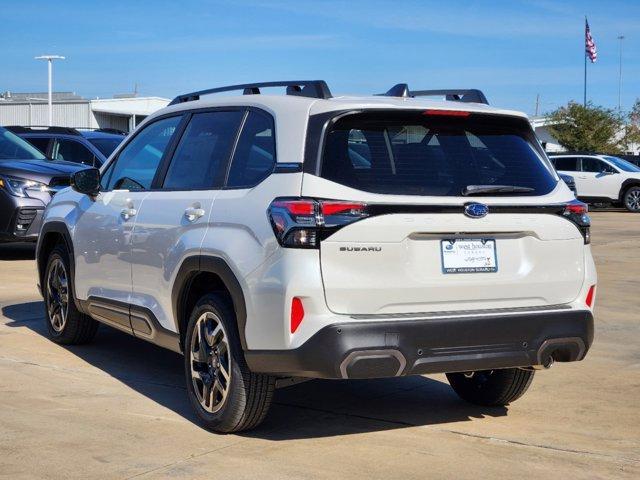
[210,362]
[633,200]
[57,295]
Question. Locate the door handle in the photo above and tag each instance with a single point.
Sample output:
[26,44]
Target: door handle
[192,213]
[127,213]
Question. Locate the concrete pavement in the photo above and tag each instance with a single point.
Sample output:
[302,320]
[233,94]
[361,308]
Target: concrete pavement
[118,408]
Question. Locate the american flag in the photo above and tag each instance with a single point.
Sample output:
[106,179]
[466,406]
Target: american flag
[590,45]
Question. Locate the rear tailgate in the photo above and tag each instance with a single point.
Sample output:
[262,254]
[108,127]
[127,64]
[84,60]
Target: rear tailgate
[393,264]
[416,170]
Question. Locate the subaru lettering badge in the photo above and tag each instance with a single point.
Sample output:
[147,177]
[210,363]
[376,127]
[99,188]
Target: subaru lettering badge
[475,210]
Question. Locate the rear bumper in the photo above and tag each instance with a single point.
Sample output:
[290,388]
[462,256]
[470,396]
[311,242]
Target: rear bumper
[372,349]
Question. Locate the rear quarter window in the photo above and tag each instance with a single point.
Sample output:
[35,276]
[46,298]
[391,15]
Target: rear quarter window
[409,153]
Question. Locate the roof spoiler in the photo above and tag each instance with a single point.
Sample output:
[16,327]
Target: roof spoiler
[301,88]
[470,95]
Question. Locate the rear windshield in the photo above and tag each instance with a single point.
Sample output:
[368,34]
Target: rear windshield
[412,153]
[106,145]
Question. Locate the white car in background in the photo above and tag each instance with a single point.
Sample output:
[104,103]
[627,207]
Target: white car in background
[602,178]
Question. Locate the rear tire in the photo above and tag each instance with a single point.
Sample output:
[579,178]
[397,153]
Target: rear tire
[491,387]
[631,199]
[65,323]
[225,394]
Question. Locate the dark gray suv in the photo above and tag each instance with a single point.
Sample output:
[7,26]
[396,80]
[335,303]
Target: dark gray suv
[28,181]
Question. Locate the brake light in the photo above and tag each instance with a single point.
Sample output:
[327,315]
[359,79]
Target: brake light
[447,113]
[296,207]
[303,222]
[297,314]
[578,213]
[590,296]
[336,208]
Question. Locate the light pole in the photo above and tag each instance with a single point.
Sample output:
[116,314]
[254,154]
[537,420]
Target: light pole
[50,59]
[621,38]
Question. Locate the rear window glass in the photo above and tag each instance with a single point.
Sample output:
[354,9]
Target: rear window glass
[409,153]
[568,164]
[106,145]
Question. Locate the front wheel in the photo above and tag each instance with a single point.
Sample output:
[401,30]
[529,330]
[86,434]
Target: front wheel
[632,199]
[65,323]
[491,387]
[225,394]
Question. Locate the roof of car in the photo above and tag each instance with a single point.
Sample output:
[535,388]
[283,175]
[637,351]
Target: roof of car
[282,104]
[99,134]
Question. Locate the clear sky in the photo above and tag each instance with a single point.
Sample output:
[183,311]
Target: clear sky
[512,50]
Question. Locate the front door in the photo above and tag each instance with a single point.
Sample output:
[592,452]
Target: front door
[175,216]
[103,232]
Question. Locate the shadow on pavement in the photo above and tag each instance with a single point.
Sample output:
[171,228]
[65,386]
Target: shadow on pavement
[313,409]
[17,251]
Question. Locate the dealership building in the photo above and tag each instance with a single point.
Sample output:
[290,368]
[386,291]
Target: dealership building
[122,112]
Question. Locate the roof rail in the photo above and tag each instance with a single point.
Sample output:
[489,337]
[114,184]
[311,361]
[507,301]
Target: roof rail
[470,95]
[302,88]
[38,128]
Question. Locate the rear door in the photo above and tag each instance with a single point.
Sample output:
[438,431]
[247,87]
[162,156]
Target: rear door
[174,217]
[412,254]
[599,179]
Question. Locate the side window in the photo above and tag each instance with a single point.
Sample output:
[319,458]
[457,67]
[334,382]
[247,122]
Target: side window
[138,161]
[40,143]
[201,157]
[593,165]
[566,164]
[72,151]
[255,155]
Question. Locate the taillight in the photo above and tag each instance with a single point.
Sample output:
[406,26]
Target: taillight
[590,296]
[578,213]
[304,222]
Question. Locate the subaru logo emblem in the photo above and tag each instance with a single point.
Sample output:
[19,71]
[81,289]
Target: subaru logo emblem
[475,210]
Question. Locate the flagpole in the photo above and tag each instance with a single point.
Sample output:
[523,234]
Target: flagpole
[584,52]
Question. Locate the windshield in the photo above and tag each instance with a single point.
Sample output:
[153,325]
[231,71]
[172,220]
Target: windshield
[12,147]
[623,164]
[416,153]
[106,145]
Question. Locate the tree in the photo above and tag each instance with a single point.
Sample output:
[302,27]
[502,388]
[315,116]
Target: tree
[632,129]
[590,128]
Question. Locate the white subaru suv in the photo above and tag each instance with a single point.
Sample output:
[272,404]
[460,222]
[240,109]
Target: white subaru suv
[602,178]
[271,238]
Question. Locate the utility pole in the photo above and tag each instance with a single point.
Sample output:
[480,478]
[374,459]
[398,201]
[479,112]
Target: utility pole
[537,104]
[50,59]
[620,38]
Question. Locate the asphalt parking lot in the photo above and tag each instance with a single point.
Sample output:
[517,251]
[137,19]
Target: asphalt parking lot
[118,408]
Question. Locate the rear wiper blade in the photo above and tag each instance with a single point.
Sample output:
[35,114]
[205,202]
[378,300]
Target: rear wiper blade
[482,189]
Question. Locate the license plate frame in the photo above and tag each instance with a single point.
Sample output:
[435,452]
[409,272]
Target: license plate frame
[485,259]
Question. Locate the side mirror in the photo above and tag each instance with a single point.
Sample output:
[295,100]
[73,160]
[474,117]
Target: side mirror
[86,181]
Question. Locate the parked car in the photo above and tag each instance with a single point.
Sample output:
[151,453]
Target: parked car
[602,178]
[90,147]
[27,182]
[266,237]
[570,181]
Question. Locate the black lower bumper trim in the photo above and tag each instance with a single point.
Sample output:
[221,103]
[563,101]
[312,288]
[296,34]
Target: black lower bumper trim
[411,347]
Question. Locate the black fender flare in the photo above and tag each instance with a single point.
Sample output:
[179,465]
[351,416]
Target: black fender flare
[630,182]
[194,265]
[59,228]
